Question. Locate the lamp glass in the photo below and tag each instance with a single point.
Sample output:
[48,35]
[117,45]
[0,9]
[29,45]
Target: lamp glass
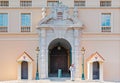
[37,50]
[83,50]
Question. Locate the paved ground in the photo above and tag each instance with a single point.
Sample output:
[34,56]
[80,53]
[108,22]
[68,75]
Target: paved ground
[54,80]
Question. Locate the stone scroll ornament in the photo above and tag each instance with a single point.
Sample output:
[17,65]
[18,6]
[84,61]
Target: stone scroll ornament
[43,12]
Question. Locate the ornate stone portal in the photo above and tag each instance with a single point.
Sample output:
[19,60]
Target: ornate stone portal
[61,27]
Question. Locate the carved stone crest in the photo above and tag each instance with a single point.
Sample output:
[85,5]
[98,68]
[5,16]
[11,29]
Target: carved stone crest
[60,16]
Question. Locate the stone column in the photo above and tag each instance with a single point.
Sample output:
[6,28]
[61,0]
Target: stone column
[77,52]
[42,54]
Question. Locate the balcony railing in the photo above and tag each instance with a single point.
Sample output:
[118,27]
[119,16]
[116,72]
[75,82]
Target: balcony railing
[106,29]
[25,29]
[52,3]
[79,3]
[4,3]
[25,3]
[105,3]
[3,29]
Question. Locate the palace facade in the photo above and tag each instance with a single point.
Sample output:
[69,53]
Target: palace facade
[60,29]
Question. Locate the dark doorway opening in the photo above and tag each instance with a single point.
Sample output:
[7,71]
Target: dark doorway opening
[24,70]
[95,70]
[59,57]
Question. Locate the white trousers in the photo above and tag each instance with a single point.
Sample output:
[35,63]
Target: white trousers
[72,75]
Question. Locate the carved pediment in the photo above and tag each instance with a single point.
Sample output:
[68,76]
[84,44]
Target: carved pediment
[95,57]
[60,16]
[25,57]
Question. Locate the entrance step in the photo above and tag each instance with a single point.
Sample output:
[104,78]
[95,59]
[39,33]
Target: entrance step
[54,80]
[59,79]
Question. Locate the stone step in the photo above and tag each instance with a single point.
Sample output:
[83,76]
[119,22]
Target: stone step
[54,80]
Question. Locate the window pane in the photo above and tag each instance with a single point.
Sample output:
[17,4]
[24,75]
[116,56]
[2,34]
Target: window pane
[106,20]
[3,19]
[25,20]
[108,23]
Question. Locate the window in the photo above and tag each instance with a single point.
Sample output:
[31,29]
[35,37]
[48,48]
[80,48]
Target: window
[79,3]
[52,3]
[25,3]
[4,3]
[25,22]
[59,15]
[105,3]
[106,22]
[3,22]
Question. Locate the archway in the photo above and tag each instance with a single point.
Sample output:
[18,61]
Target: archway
[59,57]
[24,70]
[96,70]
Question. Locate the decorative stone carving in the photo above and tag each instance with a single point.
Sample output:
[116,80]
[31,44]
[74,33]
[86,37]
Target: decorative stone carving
[75,12]
[59,24]
[60,16]
[43,12]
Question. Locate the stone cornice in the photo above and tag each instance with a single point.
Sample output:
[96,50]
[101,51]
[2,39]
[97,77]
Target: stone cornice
[17,34]
[99,33]
[84,33]
[69,7]
[100,36]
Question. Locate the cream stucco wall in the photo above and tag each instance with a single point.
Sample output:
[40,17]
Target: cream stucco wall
[10,50]
[13,43]
[109,49]
[13,46]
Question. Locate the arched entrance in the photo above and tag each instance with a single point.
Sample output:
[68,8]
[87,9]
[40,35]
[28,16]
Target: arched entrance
[24,70]
[59,57]
[96,70]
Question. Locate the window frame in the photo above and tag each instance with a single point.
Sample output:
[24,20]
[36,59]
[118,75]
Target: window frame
[4,28]
[79,3]
[53,4]
[3,4]
[106,27]
[104,3]
[23,4]
[30,27]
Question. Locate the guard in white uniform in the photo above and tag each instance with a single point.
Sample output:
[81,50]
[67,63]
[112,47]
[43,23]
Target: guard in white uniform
[72,72]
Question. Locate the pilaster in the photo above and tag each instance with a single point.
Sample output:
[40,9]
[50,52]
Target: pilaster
[42,61]
[30,71]
[101,71]
[77,52]
[91,71]
[88,71]
[19,71]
